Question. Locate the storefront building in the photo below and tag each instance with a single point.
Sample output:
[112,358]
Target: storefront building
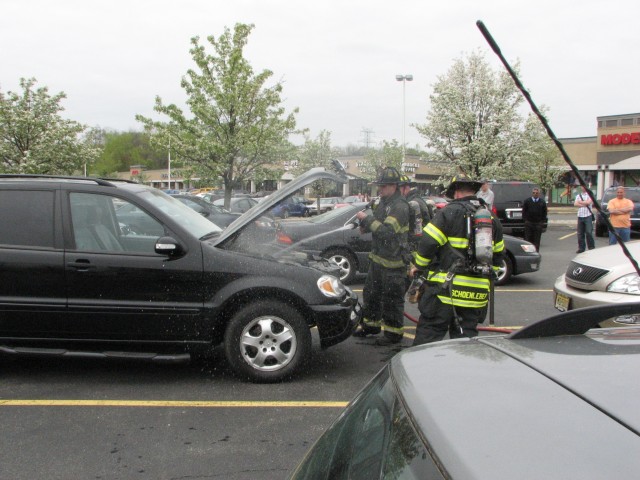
[612,157]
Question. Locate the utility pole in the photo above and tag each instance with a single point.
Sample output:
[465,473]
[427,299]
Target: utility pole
[367,132]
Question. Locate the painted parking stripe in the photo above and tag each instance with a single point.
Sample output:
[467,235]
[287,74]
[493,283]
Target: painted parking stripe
[167,404]
[501,289]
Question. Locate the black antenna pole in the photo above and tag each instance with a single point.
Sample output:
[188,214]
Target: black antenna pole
[545,124]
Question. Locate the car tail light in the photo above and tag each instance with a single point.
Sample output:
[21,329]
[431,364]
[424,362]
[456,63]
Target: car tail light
[282,237]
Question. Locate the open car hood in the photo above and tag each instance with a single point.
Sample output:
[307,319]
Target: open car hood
[266,205]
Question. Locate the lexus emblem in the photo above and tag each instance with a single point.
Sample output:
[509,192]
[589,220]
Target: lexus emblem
[577,272]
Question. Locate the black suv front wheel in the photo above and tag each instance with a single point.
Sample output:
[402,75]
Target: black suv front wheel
[267,341]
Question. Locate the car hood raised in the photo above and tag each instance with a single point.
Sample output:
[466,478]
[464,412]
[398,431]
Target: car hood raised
[266,205]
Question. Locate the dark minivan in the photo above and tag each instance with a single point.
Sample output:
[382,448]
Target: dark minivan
[96,268]
[508,201]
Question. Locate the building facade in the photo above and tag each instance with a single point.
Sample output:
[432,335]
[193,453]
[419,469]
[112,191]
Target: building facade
[612,157]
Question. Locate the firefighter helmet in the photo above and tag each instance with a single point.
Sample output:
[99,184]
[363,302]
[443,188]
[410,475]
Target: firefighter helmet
[462,182]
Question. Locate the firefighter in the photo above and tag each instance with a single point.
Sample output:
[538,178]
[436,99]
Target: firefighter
[456,291]
[419,212]
[384,288]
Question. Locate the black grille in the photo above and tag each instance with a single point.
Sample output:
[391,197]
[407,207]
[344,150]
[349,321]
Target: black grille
[584,273]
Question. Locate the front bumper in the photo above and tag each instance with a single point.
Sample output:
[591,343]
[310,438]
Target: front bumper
[527,263]
[336,323]
[588,298]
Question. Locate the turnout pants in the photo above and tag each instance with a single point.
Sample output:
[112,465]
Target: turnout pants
[437,318]
[383,296]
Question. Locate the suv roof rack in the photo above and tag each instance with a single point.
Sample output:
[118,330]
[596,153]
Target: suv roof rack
[575,322]
[99,181]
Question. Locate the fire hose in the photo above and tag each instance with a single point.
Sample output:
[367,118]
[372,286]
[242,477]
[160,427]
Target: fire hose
[480,328]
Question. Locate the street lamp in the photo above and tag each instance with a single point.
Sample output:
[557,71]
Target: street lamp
[404,79]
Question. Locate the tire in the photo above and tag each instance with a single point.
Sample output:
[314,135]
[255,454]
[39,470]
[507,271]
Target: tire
[306,213]
[601,230]
[505,271]
[285,213]
[345,261]
[267,341]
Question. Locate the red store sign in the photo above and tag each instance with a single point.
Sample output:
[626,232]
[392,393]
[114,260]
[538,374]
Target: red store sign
[620,139]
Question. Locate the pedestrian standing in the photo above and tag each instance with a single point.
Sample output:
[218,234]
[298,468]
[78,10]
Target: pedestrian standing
[486,194]
[585,221]
[534,214]
[456,292]
[384,287]
[620,209]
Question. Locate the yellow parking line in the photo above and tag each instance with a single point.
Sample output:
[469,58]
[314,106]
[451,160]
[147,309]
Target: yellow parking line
[567,236]
[500,289]
[524,289]
[167,404]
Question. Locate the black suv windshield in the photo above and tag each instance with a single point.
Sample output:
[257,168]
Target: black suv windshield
[186,217]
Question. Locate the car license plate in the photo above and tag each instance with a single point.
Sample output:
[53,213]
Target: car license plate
[562,302]
[514,214]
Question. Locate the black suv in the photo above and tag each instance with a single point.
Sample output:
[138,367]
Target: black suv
[633,194]
[508,201]
[108,268]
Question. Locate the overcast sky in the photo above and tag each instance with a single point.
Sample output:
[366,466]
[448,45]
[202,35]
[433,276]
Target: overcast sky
[337,58]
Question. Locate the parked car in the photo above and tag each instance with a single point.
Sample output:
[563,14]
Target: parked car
[223,218]
[633,194]
[294,206]
[332,235]
[602,276]
[560,392]
[211,212]
[438,202]
[351,199]
[238,204]
[326,204]
[507,204]
[81,278]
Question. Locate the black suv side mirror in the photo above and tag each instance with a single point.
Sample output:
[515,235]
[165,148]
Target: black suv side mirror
[168,246]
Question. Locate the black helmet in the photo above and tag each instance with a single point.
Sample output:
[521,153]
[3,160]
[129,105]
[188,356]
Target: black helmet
[404,180]
[458,182]
[389,176]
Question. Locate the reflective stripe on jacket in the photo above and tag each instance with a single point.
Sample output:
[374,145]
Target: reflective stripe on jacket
[443,250]
[389,226]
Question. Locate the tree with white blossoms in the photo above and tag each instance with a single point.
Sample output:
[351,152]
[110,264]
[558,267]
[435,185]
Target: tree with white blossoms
[389,155]
[316,153]
[35,139]
[237,128]
[474,124]
[544,163]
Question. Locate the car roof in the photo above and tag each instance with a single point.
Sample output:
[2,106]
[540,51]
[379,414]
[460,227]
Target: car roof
[497,407]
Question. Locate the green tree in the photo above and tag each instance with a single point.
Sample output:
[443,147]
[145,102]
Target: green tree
[238,128]
[390,155]
[474,124]
[35,139]
[123,149]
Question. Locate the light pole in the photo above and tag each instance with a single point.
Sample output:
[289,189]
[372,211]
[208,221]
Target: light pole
[404,79]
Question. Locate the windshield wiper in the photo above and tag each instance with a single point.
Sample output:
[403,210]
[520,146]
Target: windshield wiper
[210,235]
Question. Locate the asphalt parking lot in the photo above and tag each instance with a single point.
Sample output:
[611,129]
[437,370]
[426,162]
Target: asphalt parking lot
[90,419]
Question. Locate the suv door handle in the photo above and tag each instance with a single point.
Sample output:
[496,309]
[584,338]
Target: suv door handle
[82,265]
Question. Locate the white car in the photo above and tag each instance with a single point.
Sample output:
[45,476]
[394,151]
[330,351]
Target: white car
[602,276]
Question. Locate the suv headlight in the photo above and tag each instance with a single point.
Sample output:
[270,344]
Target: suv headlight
[628,284]
[330,286]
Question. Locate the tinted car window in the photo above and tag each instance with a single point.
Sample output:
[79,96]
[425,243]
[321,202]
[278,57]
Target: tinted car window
[98,227]
[373,438]
[27,218]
